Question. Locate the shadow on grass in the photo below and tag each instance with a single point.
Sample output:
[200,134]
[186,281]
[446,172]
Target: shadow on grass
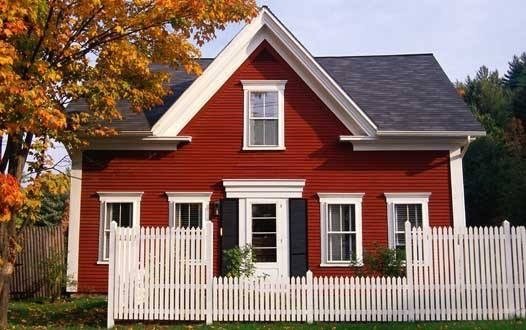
[86,312]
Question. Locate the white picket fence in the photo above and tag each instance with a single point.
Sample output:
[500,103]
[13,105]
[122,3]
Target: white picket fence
[466,274]
[159,274]
[461,274]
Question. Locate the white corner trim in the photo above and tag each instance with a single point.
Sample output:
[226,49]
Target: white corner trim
[74,221]
[264,86]
[189,197]
[263,27]
[340,198]
[457,188]
[394,198]
[264,188]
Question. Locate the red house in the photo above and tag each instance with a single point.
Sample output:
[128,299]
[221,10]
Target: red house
[311,160]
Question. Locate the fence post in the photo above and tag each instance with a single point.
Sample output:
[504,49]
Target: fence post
[209,261]
[509,269]
[310,297]
[409,271]
[111,275]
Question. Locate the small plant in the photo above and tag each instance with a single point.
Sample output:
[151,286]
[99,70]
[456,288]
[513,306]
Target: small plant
[240,261]
[383,261]
[54,275]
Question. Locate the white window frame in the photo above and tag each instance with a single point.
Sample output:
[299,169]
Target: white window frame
[393,199]
[264,86]
[116,197]
[327,199]
[202,198]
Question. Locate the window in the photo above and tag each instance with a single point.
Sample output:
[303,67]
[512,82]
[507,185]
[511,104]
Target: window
[188,215]
[264,241]
[341,223]
[264,115]
[402,207]
[188,209]
[121,207]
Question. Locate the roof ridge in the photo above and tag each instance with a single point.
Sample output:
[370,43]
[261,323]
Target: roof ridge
[375,55]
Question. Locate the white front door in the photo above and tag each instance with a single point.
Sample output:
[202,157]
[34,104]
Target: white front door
[266,231]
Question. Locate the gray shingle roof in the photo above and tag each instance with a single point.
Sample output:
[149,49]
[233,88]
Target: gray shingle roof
[398,92]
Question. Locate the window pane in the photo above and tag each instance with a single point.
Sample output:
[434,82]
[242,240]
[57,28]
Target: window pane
[257,104]
[122,213]
[188,215]
[265,255]
[106,246]
[126,215]
[340,247]
[264,225]
[408,212]
[271,104]
[400,239]
[257,132]
[263,240]
[263,210]
[271,132]
[334,217]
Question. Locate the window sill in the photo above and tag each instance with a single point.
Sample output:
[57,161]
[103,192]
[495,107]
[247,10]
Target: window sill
[348,265]
[102,262]
[263,148]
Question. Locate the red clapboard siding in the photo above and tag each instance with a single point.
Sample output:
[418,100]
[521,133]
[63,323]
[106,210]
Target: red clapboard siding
[313,152]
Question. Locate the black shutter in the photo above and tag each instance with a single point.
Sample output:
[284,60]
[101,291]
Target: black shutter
[298,236]
[229,212]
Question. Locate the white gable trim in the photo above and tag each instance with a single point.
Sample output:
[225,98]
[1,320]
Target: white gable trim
[264,27]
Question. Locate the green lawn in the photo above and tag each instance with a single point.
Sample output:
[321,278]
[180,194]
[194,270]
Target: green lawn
[90,313]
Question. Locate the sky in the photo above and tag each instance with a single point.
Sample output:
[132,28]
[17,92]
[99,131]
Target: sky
[463,34]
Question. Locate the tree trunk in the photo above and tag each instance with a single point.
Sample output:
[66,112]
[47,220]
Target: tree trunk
[17,157]
[6,274]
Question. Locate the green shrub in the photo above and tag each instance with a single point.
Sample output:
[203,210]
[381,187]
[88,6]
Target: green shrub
[383,261]
[240,261]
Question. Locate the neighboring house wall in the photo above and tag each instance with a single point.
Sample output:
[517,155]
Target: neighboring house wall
[313,152]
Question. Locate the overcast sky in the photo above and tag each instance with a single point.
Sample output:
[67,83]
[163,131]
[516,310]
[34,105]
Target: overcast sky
[463,34]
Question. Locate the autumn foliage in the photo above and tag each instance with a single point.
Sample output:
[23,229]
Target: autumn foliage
[11,197]
[54,52]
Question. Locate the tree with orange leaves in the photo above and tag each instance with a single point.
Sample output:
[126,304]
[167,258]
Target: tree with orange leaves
[53,52]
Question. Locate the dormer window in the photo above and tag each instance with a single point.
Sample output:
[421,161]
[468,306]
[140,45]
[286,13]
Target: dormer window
[264,126]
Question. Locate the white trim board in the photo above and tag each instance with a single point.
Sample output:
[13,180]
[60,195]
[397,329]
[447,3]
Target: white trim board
[264,27]
[457,188]
[264,188]
[405,143]
[74,221]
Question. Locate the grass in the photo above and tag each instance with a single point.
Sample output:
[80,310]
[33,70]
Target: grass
[90,313]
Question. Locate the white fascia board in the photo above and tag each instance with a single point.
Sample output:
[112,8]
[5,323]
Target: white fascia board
[264,27]
[403,143]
